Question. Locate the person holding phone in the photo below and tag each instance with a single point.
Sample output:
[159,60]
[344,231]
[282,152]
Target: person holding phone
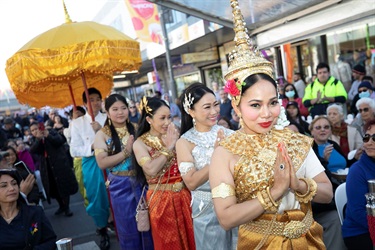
[29,188]
[56,170]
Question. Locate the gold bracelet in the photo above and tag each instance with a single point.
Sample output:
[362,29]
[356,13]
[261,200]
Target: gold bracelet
[271,198]
[312,188]
[223,191]
[144,160]
[126,154]
[166,153]
[99,150]
[265,201]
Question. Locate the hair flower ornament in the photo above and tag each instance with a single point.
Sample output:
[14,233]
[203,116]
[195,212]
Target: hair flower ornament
[233,88]
[282,120]
[144,105]
[188,102]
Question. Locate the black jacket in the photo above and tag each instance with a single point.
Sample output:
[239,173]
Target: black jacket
[32,225]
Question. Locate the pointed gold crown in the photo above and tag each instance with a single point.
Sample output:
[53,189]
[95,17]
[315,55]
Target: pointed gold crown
[246,59]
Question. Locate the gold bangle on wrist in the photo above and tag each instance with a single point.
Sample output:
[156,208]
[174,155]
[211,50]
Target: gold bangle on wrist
[271,198]
[310,193]
[126,154]
[266,202]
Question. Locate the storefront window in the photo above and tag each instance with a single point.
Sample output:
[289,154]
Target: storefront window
[354,44]
[182,82]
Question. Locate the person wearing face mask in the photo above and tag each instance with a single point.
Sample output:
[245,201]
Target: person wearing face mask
[366,90]
[291,95]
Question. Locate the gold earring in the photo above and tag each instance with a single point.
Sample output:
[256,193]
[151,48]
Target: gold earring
[109,122]
[241,121]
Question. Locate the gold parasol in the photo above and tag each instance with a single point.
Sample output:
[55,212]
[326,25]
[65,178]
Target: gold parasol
[54,67]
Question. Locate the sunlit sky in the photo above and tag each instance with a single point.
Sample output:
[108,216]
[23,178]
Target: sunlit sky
[22,20]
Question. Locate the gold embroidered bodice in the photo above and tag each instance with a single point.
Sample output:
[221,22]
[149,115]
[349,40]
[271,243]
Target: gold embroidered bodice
[254,170]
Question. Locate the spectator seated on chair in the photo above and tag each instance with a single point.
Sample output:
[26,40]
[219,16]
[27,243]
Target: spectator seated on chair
[355,228]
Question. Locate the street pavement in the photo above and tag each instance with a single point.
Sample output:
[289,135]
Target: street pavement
[80,227]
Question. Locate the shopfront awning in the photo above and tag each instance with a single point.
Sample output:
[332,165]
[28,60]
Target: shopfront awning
[257,13]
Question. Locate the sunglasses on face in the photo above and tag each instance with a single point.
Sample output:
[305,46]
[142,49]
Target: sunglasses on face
[326,127]
[367,137]
[363,110]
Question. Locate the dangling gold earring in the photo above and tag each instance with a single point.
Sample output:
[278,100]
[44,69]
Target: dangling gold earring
[109,122]
[241,121]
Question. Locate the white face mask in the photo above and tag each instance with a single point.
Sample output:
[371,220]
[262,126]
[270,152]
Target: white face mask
[290,93]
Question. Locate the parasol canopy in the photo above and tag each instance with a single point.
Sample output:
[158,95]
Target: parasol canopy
[52,65]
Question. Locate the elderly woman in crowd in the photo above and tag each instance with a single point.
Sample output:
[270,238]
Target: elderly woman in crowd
[355,227]
[366,109]
[346,136]
[321,130]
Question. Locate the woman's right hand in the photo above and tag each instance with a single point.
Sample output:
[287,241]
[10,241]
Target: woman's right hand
[327,152]
[281,174]
[171,137]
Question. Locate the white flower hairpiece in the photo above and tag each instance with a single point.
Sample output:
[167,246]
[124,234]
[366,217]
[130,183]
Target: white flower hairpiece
[282,121]
[188,101]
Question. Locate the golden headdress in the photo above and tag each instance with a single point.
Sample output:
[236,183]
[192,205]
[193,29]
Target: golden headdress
[246,59]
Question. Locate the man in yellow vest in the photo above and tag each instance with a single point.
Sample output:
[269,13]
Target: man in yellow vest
[323,91]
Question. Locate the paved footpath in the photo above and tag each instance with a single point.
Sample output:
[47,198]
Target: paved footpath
[80,227]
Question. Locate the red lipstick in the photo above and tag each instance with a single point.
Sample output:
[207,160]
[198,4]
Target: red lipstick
[265,124]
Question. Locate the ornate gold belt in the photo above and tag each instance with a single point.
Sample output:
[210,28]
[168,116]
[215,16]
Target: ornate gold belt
[124,173]
[292,229]
[175,187]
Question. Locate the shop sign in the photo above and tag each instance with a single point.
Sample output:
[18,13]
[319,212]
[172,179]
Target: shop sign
[199,57]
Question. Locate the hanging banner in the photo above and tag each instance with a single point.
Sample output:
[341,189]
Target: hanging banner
[145,20]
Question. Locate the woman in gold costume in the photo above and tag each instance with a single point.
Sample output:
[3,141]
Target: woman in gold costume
[265,175]
[113,148]
[167,197]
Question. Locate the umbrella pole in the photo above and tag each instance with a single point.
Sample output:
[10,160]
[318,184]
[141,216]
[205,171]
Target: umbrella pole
[89,107]
[73,100]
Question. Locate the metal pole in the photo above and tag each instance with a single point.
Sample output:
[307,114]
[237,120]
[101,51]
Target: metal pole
[172,83]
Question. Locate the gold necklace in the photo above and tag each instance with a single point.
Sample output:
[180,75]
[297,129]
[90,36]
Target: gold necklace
[123,134]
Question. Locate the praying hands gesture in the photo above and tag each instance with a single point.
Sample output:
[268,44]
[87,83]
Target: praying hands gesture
[171,137]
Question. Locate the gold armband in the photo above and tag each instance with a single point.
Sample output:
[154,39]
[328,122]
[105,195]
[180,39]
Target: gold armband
[265,201]
[99,150]
[310,193]
[144,160]
[223,191]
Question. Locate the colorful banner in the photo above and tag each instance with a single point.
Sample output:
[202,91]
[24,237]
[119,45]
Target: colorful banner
[145,20]
[289,63]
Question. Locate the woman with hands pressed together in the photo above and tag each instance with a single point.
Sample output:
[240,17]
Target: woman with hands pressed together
[265,175]
[200,135]
[155,162]
[113,148]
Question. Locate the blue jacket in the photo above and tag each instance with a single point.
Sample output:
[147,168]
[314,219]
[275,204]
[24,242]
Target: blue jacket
[355,222]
